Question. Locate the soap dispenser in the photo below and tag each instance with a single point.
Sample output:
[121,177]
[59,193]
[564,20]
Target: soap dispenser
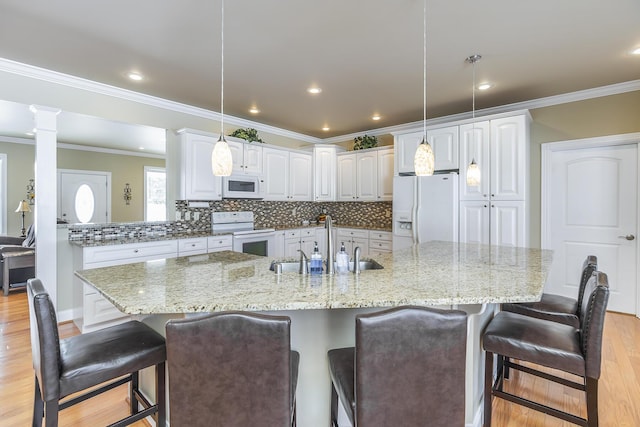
[316,260]
[342,260]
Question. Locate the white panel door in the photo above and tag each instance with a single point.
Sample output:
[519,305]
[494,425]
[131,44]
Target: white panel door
[324,178]
[347,178]
[300,179]
[199,181]
[508,223]
[474,222]
[405,147]
[385,175]
[592,204]
[367,176]
[444,142]
[85,196]
[237,154]
[252,159]
[509,158]
[276,174]
[474,145]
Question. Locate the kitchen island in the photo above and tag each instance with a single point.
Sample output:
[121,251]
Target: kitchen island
[470,277]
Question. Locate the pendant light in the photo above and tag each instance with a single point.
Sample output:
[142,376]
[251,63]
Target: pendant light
[424,160]
[221,160]
[473,170]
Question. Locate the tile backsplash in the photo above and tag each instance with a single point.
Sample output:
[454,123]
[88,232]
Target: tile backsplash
[277,214]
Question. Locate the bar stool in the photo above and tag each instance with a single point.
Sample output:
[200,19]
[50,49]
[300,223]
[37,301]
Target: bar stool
[64,367]
[558,308]
[407,369]
[574,350]
[231,369]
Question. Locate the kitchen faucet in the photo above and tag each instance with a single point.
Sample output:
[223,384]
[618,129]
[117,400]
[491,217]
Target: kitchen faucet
[331,265]
[304,266]
[356,260]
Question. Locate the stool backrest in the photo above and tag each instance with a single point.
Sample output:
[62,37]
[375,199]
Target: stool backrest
[45,341]
[410,367]
[229,369]
[593,309]
[589,265]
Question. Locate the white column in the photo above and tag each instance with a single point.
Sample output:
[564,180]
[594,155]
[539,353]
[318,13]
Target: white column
[46,192]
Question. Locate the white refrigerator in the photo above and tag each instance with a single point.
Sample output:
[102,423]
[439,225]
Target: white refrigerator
[425,208]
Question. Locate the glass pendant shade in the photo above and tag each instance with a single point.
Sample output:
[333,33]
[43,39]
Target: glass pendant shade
[424,160]
[221,160]
[473,174]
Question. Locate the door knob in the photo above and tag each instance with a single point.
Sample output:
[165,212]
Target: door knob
[628,237]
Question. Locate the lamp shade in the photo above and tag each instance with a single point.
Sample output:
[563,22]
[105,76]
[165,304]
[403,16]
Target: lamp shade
[473,174]
[221,159]
[23,206]
[424,159]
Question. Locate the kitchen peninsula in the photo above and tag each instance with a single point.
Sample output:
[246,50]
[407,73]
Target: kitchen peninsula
[322,308]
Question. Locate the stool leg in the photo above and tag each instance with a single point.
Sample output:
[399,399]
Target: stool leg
[51,414]
[592,402]
[334,406]
[38,406]
[488,385]
[133,401]
[161,395]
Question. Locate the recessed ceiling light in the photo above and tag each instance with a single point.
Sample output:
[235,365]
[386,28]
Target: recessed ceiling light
[636,51]
[141,148]
[484,86]
[314,90]
[254,110]
[134,75]
[376,117]
[326,128]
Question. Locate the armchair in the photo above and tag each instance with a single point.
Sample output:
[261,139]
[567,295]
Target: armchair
[17,256]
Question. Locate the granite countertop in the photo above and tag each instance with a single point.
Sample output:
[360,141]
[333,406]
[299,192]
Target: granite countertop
[434,273]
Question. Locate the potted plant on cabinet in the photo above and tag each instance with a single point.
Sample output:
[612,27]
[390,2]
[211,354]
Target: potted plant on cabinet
[363,142]
[248,134]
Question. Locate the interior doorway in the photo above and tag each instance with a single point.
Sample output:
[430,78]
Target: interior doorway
[85,196]
[590,207]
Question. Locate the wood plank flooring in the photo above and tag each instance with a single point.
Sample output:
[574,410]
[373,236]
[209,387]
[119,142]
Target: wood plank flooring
[619,398]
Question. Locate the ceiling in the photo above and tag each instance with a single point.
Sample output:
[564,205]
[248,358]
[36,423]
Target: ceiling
[367,56]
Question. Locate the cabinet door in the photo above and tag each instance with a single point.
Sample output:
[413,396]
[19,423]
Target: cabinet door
[324,174]
[405,151]
[237,154]
[291,247]
[363,244]
[367,176]
[508,223]
[347,177]
[508,158]
[474,222]
[444,142]
[474,145]
[276,174]
[385,175]
[300,176]
[252,159]
[278,247]
[199,183]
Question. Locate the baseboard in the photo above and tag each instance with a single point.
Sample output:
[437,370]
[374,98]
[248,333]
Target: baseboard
[477,420]
[65,315]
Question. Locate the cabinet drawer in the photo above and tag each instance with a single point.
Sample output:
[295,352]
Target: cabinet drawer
[102,256]
[380,235]
[380,245]
[308,232]
[290,234]
[219,243]
[352,233]
[192,246]
[97,310]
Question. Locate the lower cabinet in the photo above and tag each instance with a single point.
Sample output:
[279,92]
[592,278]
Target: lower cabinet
[220,243]
[380,242]
[492,222]
[353,237]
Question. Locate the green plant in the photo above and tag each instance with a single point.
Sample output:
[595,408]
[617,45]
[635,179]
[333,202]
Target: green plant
[248,134]
[366,141]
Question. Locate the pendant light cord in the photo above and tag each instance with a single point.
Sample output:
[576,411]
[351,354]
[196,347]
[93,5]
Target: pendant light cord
[424,72]
[222,72]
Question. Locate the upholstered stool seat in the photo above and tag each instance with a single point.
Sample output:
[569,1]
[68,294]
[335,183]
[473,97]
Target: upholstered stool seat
[106,358]
[558,308]
[407,369]
[554,345]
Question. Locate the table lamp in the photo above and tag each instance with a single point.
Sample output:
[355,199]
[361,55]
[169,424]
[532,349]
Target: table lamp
[23,207]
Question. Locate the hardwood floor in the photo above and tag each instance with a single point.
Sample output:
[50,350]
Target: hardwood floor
[619,398]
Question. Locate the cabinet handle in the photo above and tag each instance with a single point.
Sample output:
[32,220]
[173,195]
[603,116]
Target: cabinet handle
[193,245]
[493,195]
[485,206]
[493,206]
[484,195]
[135,251]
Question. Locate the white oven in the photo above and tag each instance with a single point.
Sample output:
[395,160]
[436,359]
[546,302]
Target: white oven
[242,187]
[245,238]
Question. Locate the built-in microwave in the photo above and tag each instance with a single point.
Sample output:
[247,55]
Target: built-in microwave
[242,187]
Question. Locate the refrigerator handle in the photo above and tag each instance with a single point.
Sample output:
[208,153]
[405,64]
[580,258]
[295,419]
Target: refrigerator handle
[415,212]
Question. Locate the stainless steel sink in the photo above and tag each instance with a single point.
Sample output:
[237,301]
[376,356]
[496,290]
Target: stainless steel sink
[294,266]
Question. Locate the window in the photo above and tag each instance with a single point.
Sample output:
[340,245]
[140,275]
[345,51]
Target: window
[155,194]
[85,203]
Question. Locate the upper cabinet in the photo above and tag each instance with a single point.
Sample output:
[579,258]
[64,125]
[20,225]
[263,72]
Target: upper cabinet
[366,175]
[287,175]
[196,179]
[324,173]
[444,142]
[247,157]
[474,146]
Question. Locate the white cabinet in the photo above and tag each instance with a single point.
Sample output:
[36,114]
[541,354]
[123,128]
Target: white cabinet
[196,179]
[495,212]
[385,175]
[278,245]
[365,176]
[444,142]
[353,237]
[92,311]
[380,242]
[287,175]
[299,239]
[324,173]
[192,246]
[220,243]
[247,157]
